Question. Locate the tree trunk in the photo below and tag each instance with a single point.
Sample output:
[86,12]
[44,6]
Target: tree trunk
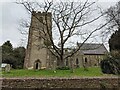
[61,64]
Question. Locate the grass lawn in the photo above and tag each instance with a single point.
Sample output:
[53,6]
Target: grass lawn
[92,72]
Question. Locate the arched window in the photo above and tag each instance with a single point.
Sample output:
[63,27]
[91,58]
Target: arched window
[77,62]
[41,19]
[86,60]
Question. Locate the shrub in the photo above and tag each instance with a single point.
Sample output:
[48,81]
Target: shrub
[63,68]
[110,65]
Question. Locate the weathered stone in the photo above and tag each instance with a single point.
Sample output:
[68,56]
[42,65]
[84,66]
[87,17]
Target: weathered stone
[99,82]
[39,57]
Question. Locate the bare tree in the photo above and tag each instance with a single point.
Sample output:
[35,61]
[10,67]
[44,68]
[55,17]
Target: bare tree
[114,14]
[69,19]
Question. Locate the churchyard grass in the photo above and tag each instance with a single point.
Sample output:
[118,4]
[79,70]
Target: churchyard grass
[79,72]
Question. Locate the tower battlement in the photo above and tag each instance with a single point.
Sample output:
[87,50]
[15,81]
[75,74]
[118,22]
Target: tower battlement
[41,13]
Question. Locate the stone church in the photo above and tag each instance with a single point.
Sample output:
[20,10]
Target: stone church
[39,57]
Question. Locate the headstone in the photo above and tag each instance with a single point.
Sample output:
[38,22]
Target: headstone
[7,68]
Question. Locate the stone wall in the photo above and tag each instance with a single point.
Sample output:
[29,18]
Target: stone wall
[61,83]
[93,60]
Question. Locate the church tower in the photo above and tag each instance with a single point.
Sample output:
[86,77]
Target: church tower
[37,55]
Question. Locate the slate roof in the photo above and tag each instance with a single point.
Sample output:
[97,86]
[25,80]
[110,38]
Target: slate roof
[93,48]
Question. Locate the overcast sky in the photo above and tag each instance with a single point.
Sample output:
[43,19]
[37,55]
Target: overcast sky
[11,14]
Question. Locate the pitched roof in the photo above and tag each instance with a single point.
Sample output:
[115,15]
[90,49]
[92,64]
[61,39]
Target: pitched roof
[93,48]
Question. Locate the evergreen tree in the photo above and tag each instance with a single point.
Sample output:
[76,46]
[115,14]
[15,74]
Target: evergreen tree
[12,56]
[7,47]
[19,55]
[7,53]
[114,41]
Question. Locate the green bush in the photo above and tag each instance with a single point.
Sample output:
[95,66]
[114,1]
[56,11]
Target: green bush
[13,56]
[63,68]
[110,65]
